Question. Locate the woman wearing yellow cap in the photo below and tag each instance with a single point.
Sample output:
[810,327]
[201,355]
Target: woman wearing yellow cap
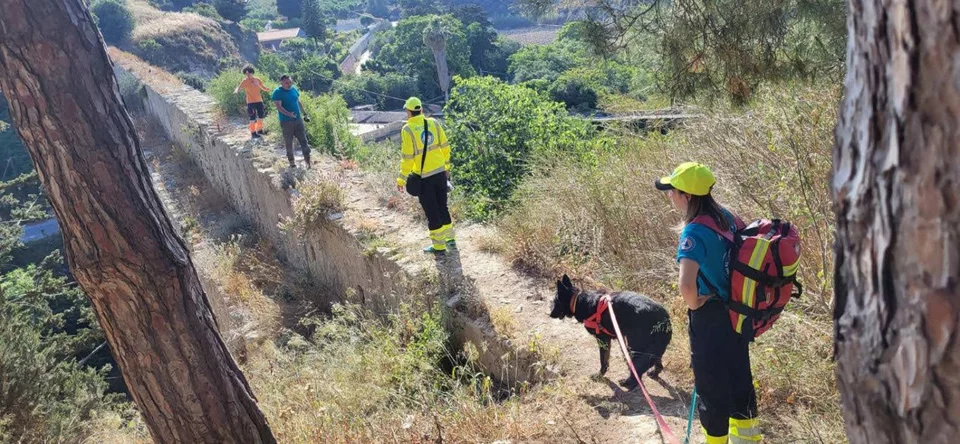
[719,356]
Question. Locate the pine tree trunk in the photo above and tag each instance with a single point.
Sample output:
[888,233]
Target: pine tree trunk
[896,185]
[120,244]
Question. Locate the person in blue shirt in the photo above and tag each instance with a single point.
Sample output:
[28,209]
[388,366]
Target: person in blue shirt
[291,114]
[720,357]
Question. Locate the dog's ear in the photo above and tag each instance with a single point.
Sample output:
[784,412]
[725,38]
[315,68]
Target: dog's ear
[566,282]
[559,286]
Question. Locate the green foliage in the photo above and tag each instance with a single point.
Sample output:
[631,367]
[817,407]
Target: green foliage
[16,160]
[272,66]
[489,53]
[329,127]
[412,8]
[401,50]
[290,8]
[315,74]
[193,80]
[47,396]
[151,52]
[262,9]
[546,62]
[233,10]
[233,104]
[496,129]
[314,19]
[378,8]
[373,88]
[574,92]
[205,10]
[114,20]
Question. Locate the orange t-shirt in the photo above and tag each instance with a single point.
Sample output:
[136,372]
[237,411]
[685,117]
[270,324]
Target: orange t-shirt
[251,86]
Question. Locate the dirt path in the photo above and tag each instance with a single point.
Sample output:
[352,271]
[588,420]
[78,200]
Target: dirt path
[619,416]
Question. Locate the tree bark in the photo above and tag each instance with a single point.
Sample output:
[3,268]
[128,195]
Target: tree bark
[896,186]
[120,243]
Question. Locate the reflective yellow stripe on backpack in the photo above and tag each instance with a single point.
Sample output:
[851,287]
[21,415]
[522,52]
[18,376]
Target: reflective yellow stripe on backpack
[749,285]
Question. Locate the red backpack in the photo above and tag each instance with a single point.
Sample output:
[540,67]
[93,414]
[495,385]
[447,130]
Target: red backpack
[764,259]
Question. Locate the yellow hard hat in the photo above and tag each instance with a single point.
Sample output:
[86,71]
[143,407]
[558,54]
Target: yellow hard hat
[690,177]
[413,104]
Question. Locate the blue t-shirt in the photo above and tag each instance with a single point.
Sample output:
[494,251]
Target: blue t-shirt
[290,100]
[711,251]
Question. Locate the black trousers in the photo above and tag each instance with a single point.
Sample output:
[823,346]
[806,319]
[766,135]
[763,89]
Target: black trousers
[721,369]
[433,199]
[294,129]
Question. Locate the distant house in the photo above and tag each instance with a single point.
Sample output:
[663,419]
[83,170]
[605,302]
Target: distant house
[271,40]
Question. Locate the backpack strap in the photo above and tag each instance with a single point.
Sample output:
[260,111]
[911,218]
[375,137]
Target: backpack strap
[708,222]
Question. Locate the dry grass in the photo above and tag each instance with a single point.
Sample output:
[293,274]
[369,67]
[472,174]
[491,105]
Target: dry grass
[153,23]
[156,78]
[609,224]
[318,197]
[362,379]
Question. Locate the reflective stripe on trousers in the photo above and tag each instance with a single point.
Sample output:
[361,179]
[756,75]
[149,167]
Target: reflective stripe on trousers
[745,431]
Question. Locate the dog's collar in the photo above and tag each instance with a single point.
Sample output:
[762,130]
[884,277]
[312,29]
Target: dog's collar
[573,303]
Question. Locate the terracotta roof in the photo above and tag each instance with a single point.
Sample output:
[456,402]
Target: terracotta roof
[279,34]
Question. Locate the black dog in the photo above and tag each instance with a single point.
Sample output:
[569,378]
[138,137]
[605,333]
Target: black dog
[645,326]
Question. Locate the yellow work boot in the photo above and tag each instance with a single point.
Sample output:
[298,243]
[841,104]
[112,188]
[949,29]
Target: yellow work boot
[745,431]
[714,439]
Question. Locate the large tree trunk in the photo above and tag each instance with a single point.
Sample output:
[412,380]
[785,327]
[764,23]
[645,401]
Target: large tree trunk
[121,245]
[896,185]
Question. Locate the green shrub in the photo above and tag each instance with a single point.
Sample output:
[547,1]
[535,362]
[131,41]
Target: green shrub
[151,51]
[497,129]
[254,24]
[114,20]
[47,396]
[315,74]
[205,10]
[221,89]
[195,81]
[272,66]
[130,90]
[233,10]
[329,127]
[574,92]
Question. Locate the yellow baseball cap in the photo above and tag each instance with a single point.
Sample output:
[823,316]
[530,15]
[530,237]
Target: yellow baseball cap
[413,104]
[690,177]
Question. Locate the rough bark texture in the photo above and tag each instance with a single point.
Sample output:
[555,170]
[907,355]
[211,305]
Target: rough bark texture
[121,246]
[896,185]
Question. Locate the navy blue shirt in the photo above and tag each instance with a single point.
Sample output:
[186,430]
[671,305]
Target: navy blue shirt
[711,251]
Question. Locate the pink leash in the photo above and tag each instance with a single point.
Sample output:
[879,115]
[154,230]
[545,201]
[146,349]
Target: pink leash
[664,428]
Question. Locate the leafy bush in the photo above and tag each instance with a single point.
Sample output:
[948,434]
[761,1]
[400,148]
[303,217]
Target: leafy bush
[114,20]
[205,10]
[130,89]
[221,89]
[151,52]
[272,66]
[193,80]
[574,92]
[47,396]
[546,62]
[315,74]
[497,129]
[374,88]
[233,10]
[329,127]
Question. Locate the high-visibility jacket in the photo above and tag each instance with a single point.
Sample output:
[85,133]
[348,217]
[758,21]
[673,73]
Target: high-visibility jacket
[412,148]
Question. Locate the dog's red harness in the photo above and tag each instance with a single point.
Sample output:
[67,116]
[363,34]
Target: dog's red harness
[593,322]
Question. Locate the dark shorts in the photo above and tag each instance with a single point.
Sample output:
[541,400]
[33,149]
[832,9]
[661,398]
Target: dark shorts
[256,110]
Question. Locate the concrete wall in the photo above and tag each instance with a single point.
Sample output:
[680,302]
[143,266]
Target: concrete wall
[328,252]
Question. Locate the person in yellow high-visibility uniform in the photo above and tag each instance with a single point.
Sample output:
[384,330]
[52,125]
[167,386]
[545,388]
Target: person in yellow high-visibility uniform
[426,153]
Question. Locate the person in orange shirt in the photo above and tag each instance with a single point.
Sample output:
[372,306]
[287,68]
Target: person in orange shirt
[255,109]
